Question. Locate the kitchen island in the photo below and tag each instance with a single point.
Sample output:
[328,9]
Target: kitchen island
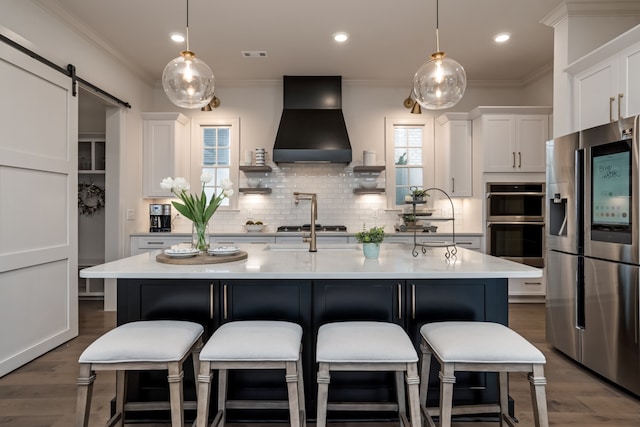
[286,282]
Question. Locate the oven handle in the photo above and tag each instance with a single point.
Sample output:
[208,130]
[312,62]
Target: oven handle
[516,194]
[489,224]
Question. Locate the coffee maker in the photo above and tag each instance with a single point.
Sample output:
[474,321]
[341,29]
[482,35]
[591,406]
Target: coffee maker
[159,218]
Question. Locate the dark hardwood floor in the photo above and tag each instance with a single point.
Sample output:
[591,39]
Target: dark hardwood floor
[42,393]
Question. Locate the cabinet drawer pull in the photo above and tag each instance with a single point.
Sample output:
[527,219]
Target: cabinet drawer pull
[611,99]
[533,283]
[211,292]
[155,243]
[399,301]
[453,185]
[413,301]
[224,300]
[620,95]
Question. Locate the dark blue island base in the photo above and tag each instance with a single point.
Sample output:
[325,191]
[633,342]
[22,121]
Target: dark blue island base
[311,303]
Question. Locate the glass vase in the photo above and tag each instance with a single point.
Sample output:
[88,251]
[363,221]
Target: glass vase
[200,236]
[371,250]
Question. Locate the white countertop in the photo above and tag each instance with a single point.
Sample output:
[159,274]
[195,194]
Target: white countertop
[332,261]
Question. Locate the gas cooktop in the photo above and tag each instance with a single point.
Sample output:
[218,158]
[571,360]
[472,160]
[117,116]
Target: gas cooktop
[307,227]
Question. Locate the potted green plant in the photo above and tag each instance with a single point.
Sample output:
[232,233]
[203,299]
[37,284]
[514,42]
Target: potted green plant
[418,194]
[370,239]
[409,220]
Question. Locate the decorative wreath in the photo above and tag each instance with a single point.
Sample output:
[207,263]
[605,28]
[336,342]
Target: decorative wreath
[90,198]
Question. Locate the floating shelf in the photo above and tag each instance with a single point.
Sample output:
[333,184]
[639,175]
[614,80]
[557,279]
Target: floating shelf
[368,190]
[368,169]
[255,168]
[259,190]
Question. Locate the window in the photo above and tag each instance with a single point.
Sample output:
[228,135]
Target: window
[410,145]
[215,152]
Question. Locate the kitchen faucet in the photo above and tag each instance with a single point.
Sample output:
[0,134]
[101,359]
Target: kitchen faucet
[311,237]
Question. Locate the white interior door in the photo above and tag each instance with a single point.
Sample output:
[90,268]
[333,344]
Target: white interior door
[38,209]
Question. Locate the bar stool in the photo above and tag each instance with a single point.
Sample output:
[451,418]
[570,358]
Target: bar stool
[140,346]
[368,346]
[252,344]
[480,347]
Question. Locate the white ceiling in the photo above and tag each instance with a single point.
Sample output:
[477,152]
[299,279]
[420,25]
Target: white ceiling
[389,40]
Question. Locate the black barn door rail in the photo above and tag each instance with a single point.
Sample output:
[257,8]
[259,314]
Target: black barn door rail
[70,71]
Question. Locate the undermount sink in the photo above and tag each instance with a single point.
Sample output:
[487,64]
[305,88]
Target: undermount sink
[320,247]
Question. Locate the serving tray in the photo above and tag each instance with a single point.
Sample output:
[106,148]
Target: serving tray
[201,259]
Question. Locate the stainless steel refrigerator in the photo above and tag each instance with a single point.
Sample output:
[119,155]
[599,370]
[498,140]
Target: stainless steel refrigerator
[593,255]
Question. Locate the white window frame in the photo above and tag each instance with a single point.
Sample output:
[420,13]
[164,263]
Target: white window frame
[428,154]
[234,155]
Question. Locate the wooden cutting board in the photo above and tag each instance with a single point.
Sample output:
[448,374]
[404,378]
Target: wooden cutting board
[201,259]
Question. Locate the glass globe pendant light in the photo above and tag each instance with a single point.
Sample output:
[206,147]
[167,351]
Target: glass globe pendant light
[440,82]
[188,81]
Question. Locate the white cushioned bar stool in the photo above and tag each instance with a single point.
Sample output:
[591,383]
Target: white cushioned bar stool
[368,346]
[252,344]
[139,346]
[480,347]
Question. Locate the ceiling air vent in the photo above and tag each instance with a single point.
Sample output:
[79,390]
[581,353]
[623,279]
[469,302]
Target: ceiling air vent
[254,53]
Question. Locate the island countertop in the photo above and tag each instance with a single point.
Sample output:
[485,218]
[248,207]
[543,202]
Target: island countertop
[331,261]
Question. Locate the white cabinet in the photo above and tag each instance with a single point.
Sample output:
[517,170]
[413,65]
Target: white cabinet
[142,244]
[165,151]
[254,239]
[527,290]
[609,89]
[453,151]
[512,142]
[320,239]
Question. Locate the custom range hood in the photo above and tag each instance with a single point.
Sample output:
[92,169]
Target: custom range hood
[312,127]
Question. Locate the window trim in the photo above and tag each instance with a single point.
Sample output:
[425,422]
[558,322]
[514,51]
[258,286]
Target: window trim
[234,154]
[428,154]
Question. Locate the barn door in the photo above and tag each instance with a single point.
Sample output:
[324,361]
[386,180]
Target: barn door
[38,209]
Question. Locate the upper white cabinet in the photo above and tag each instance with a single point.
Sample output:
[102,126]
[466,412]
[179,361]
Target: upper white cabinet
[512,142]
[605,82]
[453,152]
[165,151]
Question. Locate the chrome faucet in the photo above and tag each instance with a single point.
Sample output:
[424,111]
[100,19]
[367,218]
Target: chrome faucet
[311,237]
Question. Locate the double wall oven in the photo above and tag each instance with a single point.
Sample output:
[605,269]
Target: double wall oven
[515,222]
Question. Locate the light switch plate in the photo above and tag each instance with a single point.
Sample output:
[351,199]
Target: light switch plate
[131,214]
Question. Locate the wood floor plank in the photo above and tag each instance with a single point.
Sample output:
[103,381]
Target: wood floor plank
[42,393]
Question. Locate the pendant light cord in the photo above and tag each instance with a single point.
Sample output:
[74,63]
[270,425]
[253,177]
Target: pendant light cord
[188,25]
[437,25]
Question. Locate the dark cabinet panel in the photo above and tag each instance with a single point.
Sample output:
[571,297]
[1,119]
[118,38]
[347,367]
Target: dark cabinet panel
[357,300]
[457,300]
[285,300]
[159,299]
[340,300]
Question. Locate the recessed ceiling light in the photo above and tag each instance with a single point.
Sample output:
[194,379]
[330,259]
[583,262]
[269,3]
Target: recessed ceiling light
[501,38]
[177,37]
[341,37]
